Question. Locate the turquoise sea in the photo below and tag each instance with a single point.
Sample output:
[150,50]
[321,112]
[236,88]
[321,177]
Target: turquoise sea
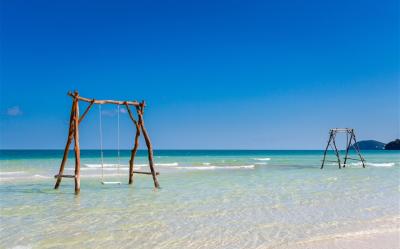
[208,199]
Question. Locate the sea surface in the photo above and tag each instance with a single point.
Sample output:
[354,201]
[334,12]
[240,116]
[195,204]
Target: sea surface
[208,199]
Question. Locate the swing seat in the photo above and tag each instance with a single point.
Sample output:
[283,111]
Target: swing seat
[110,183]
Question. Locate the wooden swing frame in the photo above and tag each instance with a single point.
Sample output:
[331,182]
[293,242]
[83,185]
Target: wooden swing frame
[73,134]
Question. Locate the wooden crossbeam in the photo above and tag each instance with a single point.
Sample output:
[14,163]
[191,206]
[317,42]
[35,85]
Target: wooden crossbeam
[341,129]
[355,159]
[66,176]
[143,172]
[73,136]
[101,102]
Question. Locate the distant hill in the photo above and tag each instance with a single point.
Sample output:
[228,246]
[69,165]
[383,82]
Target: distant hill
[370,145]
[394,145]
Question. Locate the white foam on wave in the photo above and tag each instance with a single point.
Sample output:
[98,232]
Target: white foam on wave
[263,163]
[381,164]
[239,167]
[108,175]
[105,165]
[141,165]
[167,164]
[263,159]
[6,173]
[212,167]
[206,164]
[41,176]
[374,164]
[105,169]
[23,177]
[198,168]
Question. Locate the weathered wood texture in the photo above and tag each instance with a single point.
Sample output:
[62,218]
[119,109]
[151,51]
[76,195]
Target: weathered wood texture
[66,150]
[73,135]
[102,102]
[144,173]
[136,144]
[139,110]
[77,149]
[86,111]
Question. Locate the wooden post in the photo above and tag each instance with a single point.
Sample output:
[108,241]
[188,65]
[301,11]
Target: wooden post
[66,150]
[76,147]
[348,143]
[139,110]
[355,145]
[135,147]
[73,134]
[326,149]
[86,111]
[336,150]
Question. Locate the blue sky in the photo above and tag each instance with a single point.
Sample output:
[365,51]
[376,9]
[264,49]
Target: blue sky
[215,74]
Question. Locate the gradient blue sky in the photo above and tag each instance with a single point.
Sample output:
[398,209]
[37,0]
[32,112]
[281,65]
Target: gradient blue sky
[215,74]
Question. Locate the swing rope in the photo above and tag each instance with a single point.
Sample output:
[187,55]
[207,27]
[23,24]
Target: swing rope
[101,146]
[118,153]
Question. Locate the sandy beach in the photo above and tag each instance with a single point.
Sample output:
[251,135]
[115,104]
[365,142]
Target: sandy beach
[370,239]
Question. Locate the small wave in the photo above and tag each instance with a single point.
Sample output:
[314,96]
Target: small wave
[105,169]
[263,163]
[263,159]
[239,167]
[105,165]
[374,164]
[206,164]
[198,168]
[381,164]
[333,164]
[12,173]
[167,164]
[23,177]
[216,167]
[141,165]
[41,176]
[115,165]
[108,175]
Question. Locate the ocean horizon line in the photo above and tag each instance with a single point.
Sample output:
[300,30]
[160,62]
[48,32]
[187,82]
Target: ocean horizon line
[174,149]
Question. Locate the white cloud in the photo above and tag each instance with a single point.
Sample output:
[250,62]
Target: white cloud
[14,111]
[112,113]
[109,113]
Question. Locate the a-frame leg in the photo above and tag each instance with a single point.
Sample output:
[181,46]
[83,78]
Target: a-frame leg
[135,147]
[76,148]
[336,150]
[133,153]
[357,148]
[148,144]
[66,150]
[326,149]
[348,143]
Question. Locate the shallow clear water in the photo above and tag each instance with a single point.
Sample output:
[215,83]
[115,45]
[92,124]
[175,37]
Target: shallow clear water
[209,199]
